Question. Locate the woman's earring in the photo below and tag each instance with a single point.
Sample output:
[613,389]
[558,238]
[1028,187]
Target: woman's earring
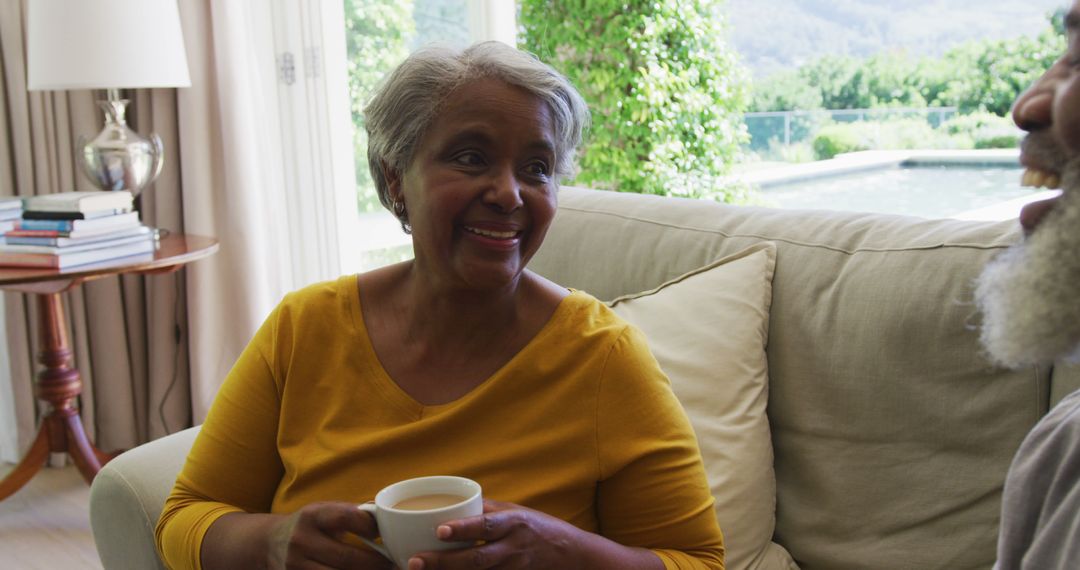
[399,208]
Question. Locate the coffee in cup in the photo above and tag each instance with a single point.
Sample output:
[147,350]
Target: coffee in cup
[428,502]
[409,511]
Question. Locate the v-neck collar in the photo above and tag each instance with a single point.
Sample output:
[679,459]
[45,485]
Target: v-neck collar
[408,405]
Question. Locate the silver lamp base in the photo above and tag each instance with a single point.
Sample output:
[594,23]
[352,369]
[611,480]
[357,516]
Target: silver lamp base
[118,158]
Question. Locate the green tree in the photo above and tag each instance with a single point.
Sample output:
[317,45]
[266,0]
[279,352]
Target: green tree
[890,81]
[883,80]
[666,93]
[833,76]
[1057,20]
[977,76]
[785,91]
[988,76]
[377,33]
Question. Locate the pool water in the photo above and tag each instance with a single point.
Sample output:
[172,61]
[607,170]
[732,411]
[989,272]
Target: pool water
[925,191]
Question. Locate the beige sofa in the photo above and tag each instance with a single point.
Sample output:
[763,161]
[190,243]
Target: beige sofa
[890,433]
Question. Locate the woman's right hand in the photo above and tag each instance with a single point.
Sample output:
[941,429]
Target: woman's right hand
[313,538]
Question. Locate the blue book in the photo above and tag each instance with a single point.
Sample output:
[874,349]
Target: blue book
[12,237]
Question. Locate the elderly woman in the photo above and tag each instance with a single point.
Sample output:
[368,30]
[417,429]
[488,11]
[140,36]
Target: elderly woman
[459,362]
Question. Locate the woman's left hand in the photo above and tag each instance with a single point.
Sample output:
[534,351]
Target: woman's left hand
[514,537]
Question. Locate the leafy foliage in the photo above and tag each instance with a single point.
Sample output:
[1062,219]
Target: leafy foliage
[666,93]
[836,139]
[985,130]
[979,124]
[377,33]
[786,91]
[978,130]
[989,76]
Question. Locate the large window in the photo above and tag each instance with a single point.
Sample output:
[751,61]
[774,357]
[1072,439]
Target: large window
[902,78]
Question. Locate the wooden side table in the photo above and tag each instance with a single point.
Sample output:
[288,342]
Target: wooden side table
[59,383]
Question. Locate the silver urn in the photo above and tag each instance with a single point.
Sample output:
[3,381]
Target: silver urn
[118,158]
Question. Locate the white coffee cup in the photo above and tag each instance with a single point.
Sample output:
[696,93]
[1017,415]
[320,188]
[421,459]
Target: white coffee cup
[407,532]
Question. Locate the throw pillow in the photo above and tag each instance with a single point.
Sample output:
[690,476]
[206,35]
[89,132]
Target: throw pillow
[708,330]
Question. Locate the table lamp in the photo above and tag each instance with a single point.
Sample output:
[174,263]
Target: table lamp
[111,45]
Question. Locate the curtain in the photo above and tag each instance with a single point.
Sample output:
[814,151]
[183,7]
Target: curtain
[230,168]
[261,169]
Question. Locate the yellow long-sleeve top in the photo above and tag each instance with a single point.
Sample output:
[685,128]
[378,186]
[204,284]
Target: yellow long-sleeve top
[581,424]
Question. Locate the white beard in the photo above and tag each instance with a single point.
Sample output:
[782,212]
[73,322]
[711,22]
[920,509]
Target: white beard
[1030,294]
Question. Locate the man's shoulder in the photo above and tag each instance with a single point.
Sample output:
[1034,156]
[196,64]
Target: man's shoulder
[1040,505]
[1057,434]
[1066,414]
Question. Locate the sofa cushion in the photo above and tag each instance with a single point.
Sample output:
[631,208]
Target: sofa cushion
[708,329]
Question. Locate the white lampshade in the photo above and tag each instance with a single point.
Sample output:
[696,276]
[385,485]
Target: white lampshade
[105,44]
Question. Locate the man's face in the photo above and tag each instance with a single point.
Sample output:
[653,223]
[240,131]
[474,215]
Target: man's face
[1030,295]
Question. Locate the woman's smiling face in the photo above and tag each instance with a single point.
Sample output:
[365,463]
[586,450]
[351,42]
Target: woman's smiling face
[480,192]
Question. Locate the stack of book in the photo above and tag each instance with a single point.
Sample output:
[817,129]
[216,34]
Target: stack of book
[10,212]
[75,228]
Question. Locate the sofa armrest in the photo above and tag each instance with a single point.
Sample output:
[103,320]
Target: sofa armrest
[127,496]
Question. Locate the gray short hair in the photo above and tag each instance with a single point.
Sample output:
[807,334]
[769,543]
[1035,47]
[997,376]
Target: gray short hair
[406,103]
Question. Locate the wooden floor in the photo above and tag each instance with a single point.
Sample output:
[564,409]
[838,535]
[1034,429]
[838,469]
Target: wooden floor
[46,523]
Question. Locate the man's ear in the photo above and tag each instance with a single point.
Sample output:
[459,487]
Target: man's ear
[393,181]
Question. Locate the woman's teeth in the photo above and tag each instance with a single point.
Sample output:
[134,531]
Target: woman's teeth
[490,233]
[1040,179]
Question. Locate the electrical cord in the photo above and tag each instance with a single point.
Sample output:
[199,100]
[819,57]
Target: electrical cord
[177,336]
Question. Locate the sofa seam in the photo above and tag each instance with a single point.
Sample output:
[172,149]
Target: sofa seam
[1042,400]
[847,251]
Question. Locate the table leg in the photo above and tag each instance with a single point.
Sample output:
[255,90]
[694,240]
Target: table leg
[58,384]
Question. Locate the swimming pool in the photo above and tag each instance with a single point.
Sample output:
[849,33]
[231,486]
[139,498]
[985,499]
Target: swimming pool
[930,191]
[967,184]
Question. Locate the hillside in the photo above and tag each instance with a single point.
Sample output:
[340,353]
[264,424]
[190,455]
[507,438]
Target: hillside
[776,34]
